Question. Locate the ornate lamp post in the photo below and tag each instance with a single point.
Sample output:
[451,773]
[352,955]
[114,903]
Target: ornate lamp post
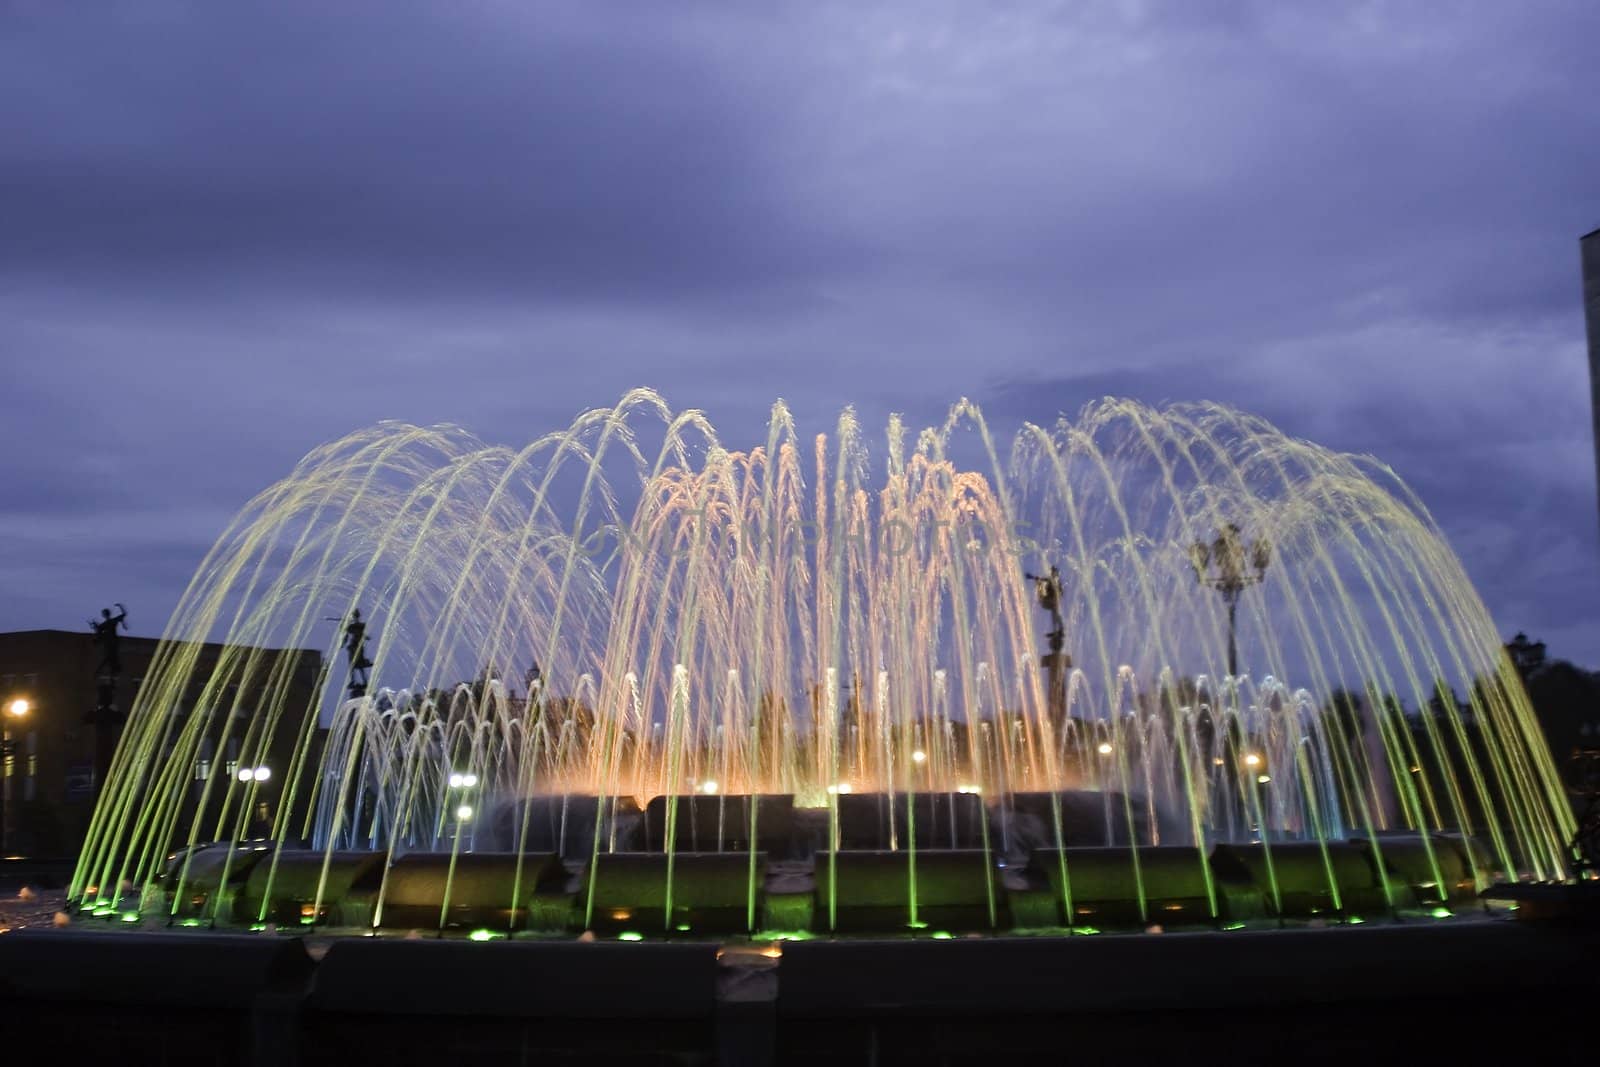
[1047,589]
[1230,566]
[17,708]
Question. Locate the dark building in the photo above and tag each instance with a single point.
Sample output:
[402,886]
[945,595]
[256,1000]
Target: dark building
[1590,246]
[59,757]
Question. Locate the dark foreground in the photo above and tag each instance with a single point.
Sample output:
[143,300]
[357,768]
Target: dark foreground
[1419,993]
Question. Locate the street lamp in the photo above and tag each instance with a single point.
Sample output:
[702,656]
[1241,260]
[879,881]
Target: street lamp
[17,708]
[1230,566]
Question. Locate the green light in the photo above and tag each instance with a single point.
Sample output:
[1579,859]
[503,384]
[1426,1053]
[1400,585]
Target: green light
[190,922]
[1441,913]
[783,935]
[916,926]
[1085,930]
[682,926]
[130,916]
[1354,920]
[307,920]
[485,935]
[942,935]
[1233,926]
[629,935]
[102,912]
[256,928]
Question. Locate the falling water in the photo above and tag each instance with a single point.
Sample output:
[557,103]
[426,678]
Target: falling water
[628,609]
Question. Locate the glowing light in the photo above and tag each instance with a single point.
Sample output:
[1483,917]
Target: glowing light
[263,773]
[1085,930]
[464,812]
[710,788]
[191,923]
[842,787]
[19,707]
[1441,913]
[247,774]
[130,916]
[469,780]
[1104,748]
[485,935]
[919,756]
[621,915]
[968,789]
[682,928]
[456,780]
[1263,779]
[629,935]
[1233,926]
[773,952]
[942,935]
[1252,760]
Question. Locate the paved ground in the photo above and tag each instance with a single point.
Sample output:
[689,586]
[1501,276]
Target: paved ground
[20,908]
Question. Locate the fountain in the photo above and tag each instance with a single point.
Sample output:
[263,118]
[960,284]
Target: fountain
[628,680]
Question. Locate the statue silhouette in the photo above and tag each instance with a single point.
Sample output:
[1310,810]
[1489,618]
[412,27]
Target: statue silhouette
[106,637]
[355,650]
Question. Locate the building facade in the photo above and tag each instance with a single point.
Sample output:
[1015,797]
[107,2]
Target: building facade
[59,755]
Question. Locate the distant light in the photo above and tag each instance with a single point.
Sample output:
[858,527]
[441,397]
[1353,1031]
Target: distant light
[247,774]
[1263,778]
[968,789]
[484,935]
[469,780]
[842,787]
[1441,913]
[942,935]
[629,935]
[464,811]
[710,788]
[1219,761]
[130,916]
[263,773]
[1104,748]
[1252,760]
[918,756]
[19,707]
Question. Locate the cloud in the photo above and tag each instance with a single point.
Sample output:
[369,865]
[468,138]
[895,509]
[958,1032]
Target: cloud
[235,232]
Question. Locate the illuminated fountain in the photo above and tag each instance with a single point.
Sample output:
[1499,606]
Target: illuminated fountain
[628,610]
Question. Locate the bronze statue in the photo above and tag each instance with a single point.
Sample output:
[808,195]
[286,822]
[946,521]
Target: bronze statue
[355,650]
[106,637]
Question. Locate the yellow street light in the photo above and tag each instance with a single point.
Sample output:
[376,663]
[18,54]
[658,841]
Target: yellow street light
[19,707]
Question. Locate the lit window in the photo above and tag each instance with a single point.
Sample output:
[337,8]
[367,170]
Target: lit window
[231,768]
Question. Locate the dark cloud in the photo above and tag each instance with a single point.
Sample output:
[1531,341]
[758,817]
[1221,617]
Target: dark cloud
[232,232]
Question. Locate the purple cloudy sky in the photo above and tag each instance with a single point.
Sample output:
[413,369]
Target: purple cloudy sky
[229,232]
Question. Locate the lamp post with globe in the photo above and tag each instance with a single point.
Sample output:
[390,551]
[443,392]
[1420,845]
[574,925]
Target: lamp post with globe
[16,708]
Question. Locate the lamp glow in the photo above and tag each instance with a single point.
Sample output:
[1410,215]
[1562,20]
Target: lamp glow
[1104,748]
[464,811]
[19,707]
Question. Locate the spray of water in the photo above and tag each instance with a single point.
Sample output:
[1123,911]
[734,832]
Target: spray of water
[628,608]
